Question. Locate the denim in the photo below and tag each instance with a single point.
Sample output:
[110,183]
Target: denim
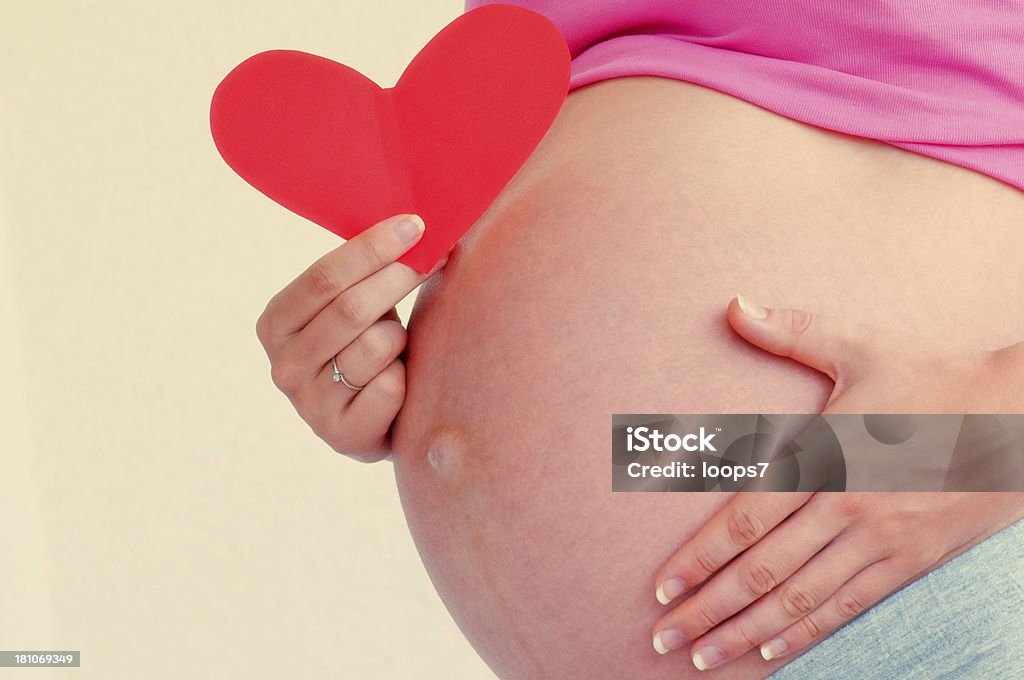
[962,620]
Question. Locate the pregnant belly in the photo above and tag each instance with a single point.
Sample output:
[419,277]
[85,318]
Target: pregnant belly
[596,284]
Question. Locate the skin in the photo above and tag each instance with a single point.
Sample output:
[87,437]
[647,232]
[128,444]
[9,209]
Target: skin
[663,196]
[778,572]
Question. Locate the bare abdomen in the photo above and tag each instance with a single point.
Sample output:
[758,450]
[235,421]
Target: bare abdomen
[597,284]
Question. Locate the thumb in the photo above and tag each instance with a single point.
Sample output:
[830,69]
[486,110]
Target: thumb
[827,346]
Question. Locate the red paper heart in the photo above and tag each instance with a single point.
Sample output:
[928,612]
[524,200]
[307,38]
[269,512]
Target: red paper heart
[329,144]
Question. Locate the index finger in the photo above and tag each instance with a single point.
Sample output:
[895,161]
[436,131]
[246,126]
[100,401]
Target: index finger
[737,525]
[302,299]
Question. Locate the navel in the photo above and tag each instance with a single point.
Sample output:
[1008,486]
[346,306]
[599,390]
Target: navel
[446,452]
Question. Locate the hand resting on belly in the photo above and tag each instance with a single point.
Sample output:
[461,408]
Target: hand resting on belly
[781,571]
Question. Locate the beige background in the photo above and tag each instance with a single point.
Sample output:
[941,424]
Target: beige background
[163,507]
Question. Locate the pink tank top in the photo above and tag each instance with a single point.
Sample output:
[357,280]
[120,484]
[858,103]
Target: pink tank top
[942,78]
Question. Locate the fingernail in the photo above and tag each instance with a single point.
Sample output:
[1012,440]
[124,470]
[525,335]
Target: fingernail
[669,590]
[773,648]
[708,657]
[409,228]
[667,640]
[751,309]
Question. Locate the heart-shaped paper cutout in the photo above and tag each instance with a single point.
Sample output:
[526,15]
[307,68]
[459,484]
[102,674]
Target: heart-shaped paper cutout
[329,144]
